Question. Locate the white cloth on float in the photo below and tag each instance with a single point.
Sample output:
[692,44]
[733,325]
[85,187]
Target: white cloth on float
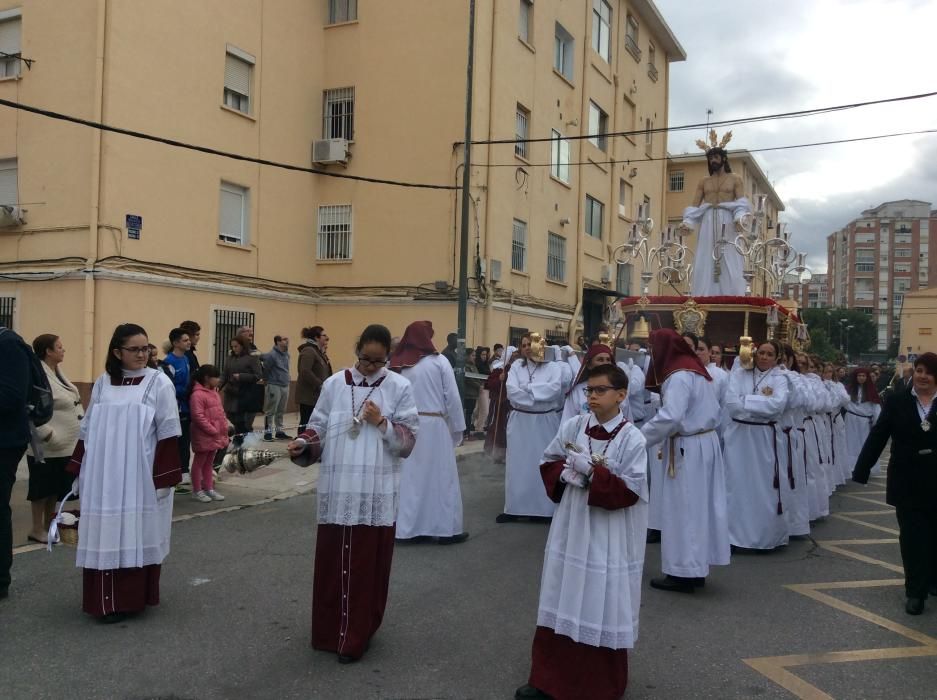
[708,221]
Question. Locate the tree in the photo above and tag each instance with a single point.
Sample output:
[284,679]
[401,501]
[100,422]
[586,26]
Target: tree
[894,347]
[833,323]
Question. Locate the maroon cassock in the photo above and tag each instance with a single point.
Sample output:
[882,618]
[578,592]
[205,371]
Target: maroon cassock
[560,667]
[496,437]
[105,592]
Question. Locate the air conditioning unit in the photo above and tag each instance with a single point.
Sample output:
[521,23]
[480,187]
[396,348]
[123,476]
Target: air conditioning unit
[495,269]
[11,216]
[329,151]
[606,274]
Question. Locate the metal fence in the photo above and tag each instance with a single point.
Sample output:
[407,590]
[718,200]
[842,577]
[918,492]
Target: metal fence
[515,334]
[227,323]
[7,311]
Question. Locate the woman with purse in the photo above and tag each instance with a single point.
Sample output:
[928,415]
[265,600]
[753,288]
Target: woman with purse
[909,420]
[242,382]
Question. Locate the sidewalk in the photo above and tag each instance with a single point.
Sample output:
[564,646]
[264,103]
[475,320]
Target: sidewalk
[281,479]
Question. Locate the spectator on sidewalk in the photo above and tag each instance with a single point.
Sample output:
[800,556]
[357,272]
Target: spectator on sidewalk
[195,333]
[176,365]
[49,483]
[276,367]
[209,431]
[14,436]
[248,333]
[452,342]
[482,364]
[314,369]
[153,361]
[243,389]
[472,389]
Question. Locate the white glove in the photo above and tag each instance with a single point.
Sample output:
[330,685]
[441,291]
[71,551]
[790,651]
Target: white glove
[579,462]
[75,486]
[163,493]
[567,351]
[572,477]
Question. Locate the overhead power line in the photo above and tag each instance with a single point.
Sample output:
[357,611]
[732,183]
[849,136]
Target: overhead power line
[214,151]
[725,122]
[689,156]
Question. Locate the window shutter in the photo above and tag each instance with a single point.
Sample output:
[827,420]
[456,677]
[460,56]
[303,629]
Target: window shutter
[232,214]
[10,36]
[9,194]
[237,75]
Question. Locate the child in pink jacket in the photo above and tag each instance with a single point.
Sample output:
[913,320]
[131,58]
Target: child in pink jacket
[209,431]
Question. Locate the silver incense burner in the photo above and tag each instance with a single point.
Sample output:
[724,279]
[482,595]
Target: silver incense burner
[245,459]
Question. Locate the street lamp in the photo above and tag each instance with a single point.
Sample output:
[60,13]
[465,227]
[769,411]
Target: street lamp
[829,318]
[848,328]
[842,321]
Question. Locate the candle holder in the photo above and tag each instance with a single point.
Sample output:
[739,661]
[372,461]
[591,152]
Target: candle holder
[671,257]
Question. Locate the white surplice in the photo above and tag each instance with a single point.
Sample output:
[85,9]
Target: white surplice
[430,497]
[590,590]
[123,524]
[753,459]
[795,493]
[537,392]
[359,477]
[691,503]
[709,223]
[860,417]
[817,472]
[840,448]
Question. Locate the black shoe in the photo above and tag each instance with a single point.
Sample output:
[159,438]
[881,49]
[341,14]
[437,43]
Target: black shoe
[114,618]
[506,518]
[282,436]
[541,519]
[914,606]
[346,659]
[932,590]
[699,582]
[675,584]
[4,592]
[268,437]
[653,536]
[528,692]
[455,539]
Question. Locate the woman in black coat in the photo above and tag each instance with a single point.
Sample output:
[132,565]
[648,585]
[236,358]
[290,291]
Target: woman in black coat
[909,418]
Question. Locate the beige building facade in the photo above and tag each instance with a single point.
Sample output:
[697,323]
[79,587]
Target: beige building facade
[101,228]
[919,322]
[685,172]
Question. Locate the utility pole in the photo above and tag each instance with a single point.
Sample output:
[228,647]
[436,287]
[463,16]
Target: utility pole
[466,196]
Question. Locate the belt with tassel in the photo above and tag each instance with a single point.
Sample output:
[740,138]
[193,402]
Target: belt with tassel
[777,464]
[671,469]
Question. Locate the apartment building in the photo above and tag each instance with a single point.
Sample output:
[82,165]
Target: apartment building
[878,258]
[684,173]
[101,228]
[814,294]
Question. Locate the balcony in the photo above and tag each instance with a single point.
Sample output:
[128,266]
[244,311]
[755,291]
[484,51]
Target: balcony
[631,46]
[652,72]
[864,296]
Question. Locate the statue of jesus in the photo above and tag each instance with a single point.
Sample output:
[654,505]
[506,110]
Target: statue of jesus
[719,207]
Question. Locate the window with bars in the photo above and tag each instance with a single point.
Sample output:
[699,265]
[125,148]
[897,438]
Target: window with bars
[677,178]
[631,38]
[902,252]
[559,157]
[625,197]
[598,126]
[648,135]
[594,213]
[652,62]
[515,334]
[556,257]
[521,131]
[334,235]
[233,217]
[601,29]
[519,246]
[623,279]
[343,11]
[563,52]
[338,114]
[9,192]
[227,322]
[238,70]
[7,311]
[558,338]
[11,28]
[525,20]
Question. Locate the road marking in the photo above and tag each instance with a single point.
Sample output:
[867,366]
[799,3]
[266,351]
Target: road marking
[841,516]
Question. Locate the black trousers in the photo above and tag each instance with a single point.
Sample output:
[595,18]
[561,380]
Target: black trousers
[9,459]
[305,410]
[917,529]
[185,442]
[469,410]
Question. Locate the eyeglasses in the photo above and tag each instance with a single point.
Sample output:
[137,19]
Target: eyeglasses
[141,350]
[373,363]
[597,390]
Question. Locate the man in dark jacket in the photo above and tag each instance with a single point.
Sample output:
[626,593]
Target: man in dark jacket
[452,344]
[14,436]
[194,330]
[314,368]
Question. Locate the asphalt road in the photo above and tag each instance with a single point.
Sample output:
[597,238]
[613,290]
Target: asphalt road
[236,599]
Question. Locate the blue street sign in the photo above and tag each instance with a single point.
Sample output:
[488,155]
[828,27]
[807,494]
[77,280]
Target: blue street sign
[135,221]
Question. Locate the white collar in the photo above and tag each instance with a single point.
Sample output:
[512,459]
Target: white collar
[357,377]
[613,423]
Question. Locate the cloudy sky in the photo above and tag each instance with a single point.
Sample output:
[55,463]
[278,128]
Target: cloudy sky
[758,57]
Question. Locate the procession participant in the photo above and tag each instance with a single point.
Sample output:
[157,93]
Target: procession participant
[430,498]
[719,376]
[499,406]
[756,399]
[838,448]
[815,455]
[363,425]
[719,206]
[795,493]
[692,491]
[909,419]
[861,411]
[576,401]
[590,590]
[126,463]
[715,354]
[536,390]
